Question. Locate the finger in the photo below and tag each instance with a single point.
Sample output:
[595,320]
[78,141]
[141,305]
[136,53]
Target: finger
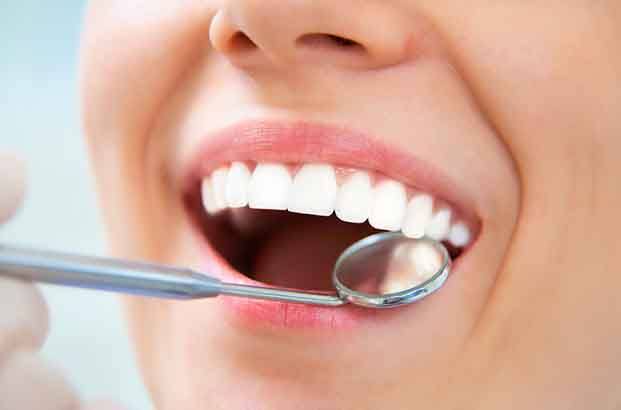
[23,317]
[12,184]
[29,382]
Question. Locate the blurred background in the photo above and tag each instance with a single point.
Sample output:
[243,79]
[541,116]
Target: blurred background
[39,119]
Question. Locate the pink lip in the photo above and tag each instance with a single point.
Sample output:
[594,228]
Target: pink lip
[301,142]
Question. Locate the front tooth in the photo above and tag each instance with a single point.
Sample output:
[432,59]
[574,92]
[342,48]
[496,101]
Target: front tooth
[439,225]
[314,190]
[218,181]
[354,198]
[459,235]
[417,216]
[269,187]
[209,199]
[237,185]
[389,202]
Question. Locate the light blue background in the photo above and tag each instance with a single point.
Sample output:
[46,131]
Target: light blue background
[39,119]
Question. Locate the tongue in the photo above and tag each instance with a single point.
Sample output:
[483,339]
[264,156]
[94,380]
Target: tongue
[302,254]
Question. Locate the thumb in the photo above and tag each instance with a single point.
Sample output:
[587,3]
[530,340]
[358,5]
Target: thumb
[12,184]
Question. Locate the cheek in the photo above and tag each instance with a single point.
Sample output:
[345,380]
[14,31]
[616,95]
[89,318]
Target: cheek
[543,74]
[132,56]
[544,82]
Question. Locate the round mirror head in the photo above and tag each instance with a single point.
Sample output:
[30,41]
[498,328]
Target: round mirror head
[390,269]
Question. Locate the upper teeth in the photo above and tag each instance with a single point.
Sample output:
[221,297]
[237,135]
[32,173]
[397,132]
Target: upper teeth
[314,190]
[388,205]
[269,187]
[237,185]
[353,200]
[318,189]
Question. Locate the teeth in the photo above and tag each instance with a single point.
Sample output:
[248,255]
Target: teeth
[459,235]
[417,215]
[236,191]
[218,182]
[314,190]
[269,187]
[354,198]
[389,201]
[439,225]
[209,199]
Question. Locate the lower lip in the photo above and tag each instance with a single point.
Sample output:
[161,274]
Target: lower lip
[257,313]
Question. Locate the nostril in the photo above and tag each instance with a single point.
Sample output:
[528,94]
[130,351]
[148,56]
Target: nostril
[241,42]
[342,41]
[323,40]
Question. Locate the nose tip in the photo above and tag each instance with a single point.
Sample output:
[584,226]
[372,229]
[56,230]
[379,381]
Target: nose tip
[276,32]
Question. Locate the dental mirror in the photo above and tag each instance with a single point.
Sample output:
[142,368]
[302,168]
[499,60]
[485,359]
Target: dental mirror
[390,269]
[380,271]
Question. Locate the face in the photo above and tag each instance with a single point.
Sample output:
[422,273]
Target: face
[224,133]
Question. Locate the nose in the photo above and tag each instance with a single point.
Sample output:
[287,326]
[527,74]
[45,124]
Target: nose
[349,33]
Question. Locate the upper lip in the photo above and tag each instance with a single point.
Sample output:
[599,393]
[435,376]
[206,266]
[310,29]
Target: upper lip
[303,142]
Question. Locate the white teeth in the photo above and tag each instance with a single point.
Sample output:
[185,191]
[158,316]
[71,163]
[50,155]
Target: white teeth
[459,235]
[218,181]
[417,215]
[389,202]
[209,199]
[354,198]
[439,225]
[236,191]
[315,190]
[269,187]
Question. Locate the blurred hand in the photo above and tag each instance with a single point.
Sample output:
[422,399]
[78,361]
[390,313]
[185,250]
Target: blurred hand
[27,381]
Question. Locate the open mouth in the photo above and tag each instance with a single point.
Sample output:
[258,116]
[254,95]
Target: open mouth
[278,207]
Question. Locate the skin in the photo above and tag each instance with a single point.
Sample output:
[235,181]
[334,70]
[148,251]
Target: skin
[532,138]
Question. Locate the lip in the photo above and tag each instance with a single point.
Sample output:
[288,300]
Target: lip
[302,142]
